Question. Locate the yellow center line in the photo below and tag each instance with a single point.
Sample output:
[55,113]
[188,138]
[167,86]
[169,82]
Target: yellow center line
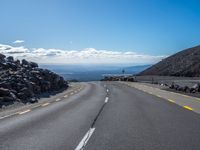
[45,104]
[172,101]
[23,112]
[187,107]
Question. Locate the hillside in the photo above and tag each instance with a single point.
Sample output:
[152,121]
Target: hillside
[136,69]
[184,63]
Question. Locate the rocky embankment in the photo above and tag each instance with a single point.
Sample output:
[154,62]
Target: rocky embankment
[23,81]
[186,85]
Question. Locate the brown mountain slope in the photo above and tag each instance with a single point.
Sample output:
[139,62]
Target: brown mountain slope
[184,63]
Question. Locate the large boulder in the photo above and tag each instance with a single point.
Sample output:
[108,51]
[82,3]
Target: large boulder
[33,64]
[6,99]
[2,57]
[10,59]
[11,65]
[4,92]
[5,85]
[25,62]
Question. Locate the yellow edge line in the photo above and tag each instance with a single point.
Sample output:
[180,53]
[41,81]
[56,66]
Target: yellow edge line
[186,96]
[159,96]
[187,107]
[197,98]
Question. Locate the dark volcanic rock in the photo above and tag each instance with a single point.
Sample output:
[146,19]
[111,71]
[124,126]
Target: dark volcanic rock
[25,62]
[185,63]
[10,59]
[24,81]
[4,92]
[33,64]
[2,57]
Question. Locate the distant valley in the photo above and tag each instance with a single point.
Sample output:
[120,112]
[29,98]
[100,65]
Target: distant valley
[91,72]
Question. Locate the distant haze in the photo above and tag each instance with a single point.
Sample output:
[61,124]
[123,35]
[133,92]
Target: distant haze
[91,72]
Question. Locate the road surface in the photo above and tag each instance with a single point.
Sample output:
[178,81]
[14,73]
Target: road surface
[103,116]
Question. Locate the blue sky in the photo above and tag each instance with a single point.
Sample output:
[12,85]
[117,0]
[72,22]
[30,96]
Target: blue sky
[145,27]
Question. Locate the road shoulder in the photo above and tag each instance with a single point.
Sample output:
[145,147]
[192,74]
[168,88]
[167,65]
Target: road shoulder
[187,102]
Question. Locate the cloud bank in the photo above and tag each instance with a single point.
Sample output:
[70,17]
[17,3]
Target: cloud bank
[88,55]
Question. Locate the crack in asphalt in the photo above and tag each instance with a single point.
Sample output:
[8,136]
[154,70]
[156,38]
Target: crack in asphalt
[95,120]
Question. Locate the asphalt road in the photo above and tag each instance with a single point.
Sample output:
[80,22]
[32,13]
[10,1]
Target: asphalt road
[103,116]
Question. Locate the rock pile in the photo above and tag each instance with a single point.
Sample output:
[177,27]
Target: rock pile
[187,89]
[24,81]
[119,78]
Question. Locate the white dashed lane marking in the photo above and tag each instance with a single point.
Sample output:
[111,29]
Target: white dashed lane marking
[106,99]
[58,99]
[7,116]
[45,104]
[23,112]
[85,139]
[65,96]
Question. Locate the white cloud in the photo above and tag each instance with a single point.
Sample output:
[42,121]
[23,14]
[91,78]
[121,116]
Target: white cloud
[18,41]
[88,55]
[7,49]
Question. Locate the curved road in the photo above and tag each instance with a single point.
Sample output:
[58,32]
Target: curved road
[103,116]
